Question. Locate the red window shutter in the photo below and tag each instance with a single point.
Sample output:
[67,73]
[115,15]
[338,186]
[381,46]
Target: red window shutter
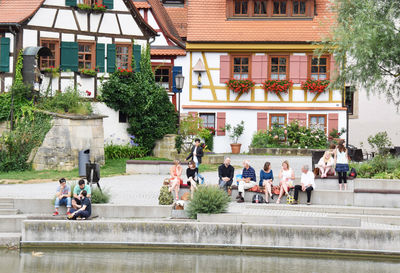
[333,68]
[224,68]
[221,118]
[298,68]
[259,68]
[262,119]
[300,117]
[333,122]
[193,114]
[292,117]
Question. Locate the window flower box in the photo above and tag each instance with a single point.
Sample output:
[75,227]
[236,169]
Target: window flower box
[87,73]
[98,8]
[84,8]
[315,86]
[240,86]
[277,86]
[51,71]
[124,73]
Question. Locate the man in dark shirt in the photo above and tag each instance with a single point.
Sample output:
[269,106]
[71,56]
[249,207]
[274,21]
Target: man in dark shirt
[225,174]
[85,208]
[248,180]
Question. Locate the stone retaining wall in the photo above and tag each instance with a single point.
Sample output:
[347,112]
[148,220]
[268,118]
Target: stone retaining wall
[281,151]
[68,136]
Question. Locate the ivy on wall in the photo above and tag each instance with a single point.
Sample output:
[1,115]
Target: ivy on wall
[18,79]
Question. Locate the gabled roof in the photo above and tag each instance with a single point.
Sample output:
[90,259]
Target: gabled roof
[178,16]
[17,11]
[163,20]
[207,22]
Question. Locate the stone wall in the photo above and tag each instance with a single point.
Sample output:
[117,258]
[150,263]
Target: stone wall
[68,136]
[165,148]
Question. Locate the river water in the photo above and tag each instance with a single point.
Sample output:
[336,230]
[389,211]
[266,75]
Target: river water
[89,261]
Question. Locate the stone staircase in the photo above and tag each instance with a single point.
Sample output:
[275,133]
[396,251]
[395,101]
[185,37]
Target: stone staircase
[10,224]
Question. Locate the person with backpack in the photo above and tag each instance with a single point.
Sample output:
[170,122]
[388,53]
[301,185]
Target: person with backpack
[342,164]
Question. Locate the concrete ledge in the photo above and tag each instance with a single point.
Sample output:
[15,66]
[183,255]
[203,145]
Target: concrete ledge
[377,184]
[148,167]
[10,240]
[11,223]
[210,235]
[213,159]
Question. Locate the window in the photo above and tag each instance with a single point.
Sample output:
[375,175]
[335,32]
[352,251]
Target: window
[350,100]
[122,117]
[277,120]
[279,7]
[317,122]
[53,61]
[241,66]
[319,68]
[89,2]
[278,67]
[123,55]
[173,1]
[299,7]
[208,120]
[260,8]
[241,7]
[86,55]
[163,77]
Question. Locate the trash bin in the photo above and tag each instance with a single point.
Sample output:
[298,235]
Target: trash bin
[84,157]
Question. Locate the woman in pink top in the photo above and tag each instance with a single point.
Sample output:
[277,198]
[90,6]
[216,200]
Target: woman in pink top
[175,180]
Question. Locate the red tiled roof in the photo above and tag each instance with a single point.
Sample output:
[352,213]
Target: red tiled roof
[178,16]
[17,11]
[207,22]
[141,5]
[164,52]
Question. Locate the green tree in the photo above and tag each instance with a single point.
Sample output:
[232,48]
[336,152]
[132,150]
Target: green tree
[365,42]
[151,115]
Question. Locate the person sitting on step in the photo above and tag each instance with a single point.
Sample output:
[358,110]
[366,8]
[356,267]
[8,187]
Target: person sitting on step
[325,165]
[307,185]
[192,176]
[247,182]
[84,209]
[286,176]
[63,197]
[225,173]
[266,180]
[175,180]
[76,201]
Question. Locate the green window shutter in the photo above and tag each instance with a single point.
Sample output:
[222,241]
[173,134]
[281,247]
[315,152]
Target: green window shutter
[69,56]
[137,54]
[71,3]
[108,3]
[4,54]
[110,58]
[100,56]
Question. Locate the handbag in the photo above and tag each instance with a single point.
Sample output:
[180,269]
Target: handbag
[276,190]
[256,188]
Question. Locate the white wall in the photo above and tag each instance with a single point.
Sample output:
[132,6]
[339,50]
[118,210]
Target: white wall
[375,115]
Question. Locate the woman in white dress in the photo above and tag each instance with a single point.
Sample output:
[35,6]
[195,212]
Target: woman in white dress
[286,177]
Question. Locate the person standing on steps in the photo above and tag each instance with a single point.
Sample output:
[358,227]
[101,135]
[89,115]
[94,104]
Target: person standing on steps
[342,164]
[196,155]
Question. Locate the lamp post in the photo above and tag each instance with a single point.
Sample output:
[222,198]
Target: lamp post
[179,80]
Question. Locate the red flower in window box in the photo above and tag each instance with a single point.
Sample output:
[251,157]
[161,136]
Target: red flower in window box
[315,86]
[277,86]
[212,130]
[240,86]
[124,73]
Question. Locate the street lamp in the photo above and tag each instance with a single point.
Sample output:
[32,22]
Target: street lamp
[179,80]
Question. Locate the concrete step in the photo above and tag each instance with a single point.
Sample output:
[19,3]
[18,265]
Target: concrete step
[10,240]
[6,200]
[11,223]
[6,205]
[331,184]
[301,220]
[8,211]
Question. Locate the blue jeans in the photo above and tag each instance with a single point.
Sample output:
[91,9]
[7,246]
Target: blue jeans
[198,174]
[65,201]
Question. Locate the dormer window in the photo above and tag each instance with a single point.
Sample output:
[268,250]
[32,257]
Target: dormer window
[277,9]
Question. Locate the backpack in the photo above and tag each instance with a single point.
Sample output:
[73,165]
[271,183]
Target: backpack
[257,198]
[353,173]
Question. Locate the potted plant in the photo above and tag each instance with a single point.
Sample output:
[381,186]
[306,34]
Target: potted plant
[277,86]
[84,8]
[234,133]
[240,86]
[98,8]
[315,86]
[88,73]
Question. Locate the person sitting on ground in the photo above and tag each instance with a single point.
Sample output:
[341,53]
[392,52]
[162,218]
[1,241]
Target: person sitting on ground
[192,175]
[266,180]
[286,177]
[342,164]
[325,165]
[225,173]
[76,201]
[196,154]
[175,180]
[247,182]
[307,185]
[63,197]
[84,210]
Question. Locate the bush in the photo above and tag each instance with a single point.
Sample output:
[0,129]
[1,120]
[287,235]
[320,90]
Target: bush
[379,142]
[114,151]
[206,134]
[69,101]
[380,167]
[165,197]
[208,199]
[22,95]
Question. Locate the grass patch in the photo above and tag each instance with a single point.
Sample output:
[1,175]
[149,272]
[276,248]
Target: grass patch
[111,168]
[208,168]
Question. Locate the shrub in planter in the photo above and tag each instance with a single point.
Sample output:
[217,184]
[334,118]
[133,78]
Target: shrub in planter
[208,199]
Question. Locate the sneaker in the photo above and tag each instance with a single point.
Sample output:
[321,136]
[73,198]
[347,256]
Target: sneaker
[202,180]
[294,202]
[308,203]
[68,213]
[241,200]
[55,213]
